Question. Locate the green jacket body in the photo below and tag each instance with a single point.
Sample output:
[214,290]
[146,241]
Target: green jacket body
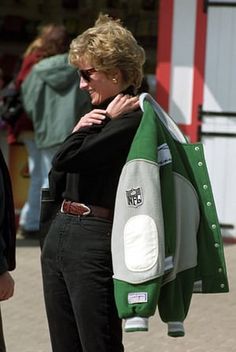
[166,239]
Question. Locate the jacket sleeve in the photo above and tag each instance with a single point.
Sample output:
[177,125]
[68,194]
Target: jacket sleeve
[28,62]
[98,145]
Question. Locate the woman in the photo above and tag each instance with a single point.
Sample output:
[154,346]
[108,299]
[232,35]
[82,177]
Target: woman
[76,256]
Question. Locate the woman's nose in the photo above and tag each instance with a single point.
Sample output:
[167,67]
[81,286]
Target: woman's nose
[83,83]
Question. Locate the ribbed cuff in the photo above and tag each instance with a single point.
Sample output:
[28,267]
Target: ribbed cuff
[175,329]
[108,116]
[3,266]
[136,324]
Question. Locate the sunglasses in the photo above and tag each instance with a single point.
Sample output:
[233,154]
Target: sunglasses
[86,74]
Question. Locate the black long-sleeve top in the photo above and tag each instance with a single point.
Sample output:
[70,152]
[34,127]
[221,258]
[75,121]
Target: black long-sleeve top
[92,159]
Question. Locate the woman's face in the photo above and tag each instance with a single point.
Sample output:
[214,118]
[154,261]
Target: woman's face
[99,85]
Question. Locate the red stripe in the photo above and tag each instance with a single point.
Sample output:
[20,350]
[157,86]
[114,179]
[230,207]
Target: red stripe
[229,240]
[164,45]
[199,68]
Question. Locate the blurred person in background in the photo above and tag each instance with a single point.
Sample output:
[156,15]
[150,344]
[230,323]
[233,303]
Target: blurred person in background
[7,240]
[52,104]
[22,131]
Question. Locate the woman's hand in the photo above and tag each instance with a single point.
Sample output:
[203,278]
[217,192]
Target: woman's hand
[122,104]
[119,105]
[95,116]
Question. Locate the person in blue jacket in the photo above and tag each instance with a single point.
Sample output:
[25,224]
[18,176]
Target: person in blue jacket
[53,103]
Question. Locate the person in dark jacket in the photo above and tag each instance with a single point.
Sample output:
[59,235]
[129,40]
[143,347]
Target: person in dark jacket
[7,239]
[76,255]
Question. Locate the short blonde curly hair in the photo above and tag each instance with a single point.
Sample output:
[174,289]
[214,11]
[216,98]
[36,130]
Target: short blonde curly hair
[109,45]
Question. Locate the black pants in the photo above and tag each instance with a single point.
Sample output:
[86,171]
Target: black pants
[78,286]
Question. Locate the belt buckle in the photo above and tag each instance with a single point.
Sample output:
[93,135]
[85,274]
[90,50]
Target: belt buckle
[84,208]
[61,210]
[88,210]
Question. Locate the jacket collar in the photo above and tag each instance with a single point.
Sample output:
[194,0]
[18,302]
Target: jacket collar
[103,105]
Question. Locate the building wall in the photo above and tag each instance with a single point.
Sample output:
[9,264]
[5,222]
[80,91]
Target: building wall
[180,61]
[196,85]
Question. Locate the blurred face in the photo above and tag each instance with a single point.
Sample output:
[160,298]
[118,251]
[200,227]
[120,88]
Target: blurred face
[99,85]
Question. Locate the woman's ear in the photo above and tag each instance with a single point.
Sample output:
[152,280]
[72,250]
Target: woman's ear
[116,76]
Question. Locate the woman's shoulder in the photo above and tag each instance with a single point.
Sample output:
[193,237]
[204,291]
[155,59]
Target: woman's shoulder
[133,115]
[127,121]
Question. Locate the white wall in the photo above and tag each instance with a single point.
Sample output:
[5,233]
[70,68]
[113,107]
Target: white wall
[182,63]
[220,96]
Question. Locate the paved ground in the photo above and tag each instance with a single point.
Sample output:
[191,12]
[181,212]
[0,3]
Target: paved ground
[210,325]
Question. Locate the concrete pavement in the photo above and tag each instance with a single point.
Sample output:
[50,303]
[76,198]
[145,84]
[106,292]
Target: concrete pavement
[210,325]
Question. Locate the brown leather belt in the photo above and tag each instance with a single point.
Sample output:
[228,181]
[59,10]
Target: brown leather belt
[80,209]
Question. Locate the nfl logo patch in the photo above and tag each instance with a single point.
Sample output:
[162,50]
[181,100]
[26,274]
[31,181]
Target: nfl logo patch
[134,197]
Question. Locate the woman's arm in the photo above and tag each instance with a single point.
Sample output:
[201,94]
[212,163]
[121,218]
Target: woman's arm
[100,148]
[96,144]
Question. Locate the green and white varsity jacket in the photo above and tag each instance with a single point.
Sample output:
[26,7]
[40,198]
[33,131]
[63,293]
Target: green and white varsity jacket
[166,239]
